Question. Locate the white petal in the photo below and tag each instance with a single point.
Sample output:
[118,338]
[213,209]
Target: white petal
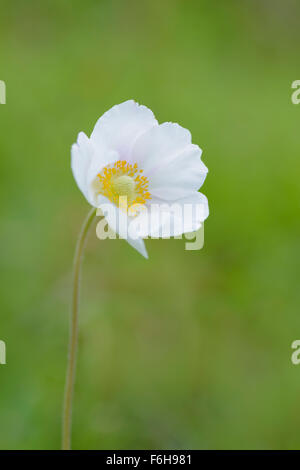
[86,162]
[139,245]
[165,219]
[121,224]
[180,177]
[81,155]
[170,161]
[159,145]
[119,127]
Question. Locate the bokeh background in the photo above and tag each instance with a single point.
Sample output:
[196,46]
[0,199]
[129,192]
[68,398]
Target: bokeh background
[190,349]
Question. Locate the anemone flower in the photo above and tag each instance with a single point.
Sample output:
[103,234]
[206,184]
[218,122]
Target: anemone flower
[143,178]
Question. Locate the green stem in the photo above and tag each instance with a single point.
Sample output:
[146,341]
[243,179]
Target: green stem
[70,378]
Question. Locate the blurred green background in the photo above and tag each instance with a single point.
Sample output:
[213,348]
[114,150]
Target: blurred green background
[190,349]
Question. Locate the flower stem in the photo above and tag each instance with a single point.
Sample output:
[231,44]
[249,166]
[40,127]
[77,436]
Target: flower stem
[70,378]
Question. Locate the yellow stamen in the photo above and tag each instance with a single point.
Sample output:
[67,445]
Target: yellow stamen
[124,179]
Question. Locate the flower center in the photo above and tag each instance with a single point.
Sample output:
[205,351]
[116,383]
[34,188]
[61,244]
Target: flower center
[123,185]
[124,180]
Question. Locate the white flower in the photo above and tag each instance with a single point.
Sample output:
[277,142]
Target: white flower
[154,167]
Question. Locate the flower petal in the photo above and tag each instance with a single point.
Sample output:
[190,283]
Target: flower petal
[120,223]
[86,162]
[159,145]
[139,245]
[180,177]
[119,127]
[81,155]
[170,161]
[163,219]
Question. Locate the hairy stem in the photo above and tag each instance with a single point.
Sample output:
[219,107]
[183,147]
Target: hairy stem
[71,366]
